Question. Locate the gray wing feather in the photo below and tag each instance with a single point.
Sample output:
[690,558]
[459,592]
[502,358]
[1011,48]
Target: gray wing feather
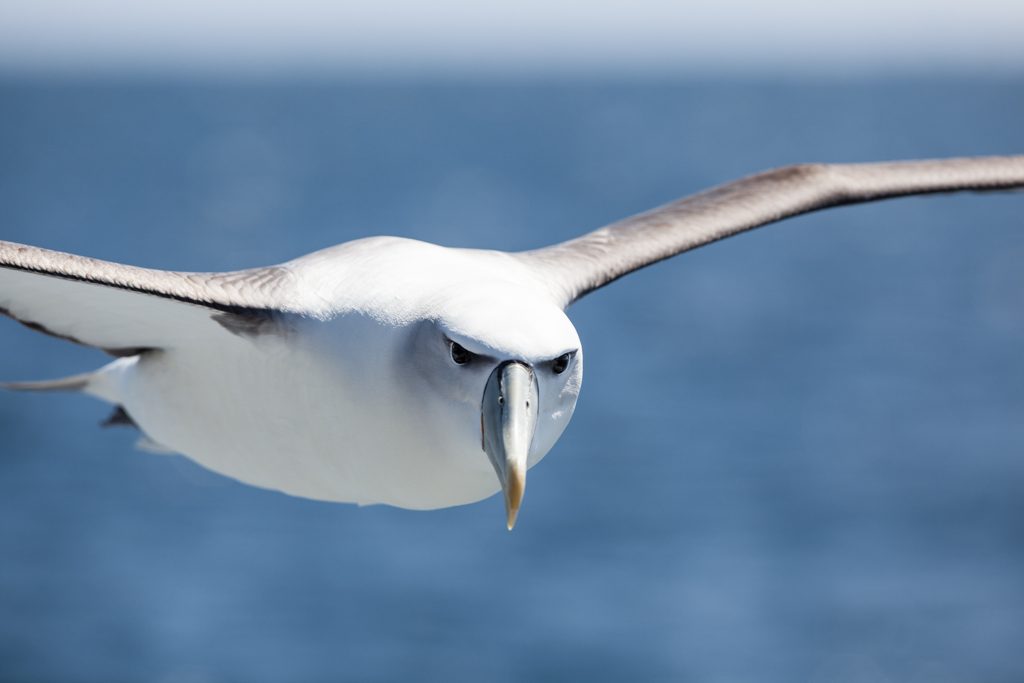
[577,267]
[124,309]
[259,288]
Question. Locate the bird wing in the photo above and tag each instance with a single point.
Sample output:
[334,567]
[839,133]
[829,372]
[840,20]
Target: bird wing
[123,310]
[577,267]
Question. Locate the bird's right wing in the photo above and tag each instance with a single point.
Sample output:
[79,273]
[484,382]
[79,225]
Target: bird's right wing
[124,309]
[575,268]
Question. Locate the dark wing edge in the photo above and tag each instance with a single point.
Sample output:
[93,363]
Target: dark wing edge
[577,267]
[97,296]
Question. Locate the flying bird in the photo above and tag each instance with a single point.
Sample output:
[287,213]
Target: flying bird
[388,370]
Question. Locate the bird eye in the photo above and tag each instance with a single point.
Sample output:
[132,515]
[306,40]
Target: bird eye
[459,354]
[560,364]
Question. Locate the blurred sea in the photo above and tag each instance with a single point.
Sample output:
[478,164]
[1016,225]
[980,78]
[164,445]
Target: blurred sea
[798,455]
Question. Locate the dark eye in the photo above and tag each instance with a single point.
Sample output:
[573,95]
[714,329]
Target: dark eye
[560,364]
[459,354]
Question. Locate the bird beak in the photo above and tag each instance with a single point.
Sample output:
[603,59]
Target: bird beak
[508,418]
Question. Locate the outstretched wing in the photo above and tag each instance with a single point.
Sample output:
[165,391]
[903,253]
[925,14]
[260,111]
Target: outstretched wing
[123,309]
[575,268]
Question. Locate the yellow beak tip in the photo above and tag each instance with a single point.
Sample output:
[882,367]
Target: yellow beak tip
[514,488]
[512,514]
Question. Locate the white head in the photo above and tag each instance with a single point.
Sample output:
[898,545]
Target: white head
[511,361]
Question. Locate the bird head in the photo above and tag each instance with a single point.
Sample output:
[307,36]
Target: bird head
[511,360]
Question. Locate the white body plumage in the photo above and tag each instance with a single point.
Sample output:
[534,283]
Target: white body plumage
[361,403]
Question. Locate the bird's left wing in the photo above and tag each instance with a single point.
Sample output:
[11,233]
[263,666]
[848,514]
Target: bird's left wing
[573,269]
[123,309]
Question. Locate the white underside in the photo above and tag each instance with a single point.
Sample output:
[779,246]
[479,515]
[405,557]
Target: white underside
[283,418]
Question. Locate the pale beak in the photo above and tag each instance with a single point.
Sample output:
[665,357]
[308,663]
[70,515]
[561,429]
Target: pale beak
[508,418]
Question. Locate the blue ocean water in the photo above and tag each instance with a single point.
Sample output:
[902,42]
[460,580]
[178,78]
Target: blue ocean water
[798,454]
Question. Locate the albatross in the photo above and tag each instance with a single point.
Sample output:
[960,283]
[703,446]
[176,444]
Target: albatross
[388,370]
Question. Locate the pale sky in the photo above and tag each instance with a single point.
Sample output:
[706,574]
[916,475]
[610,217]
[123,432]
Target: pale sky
[521,37]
